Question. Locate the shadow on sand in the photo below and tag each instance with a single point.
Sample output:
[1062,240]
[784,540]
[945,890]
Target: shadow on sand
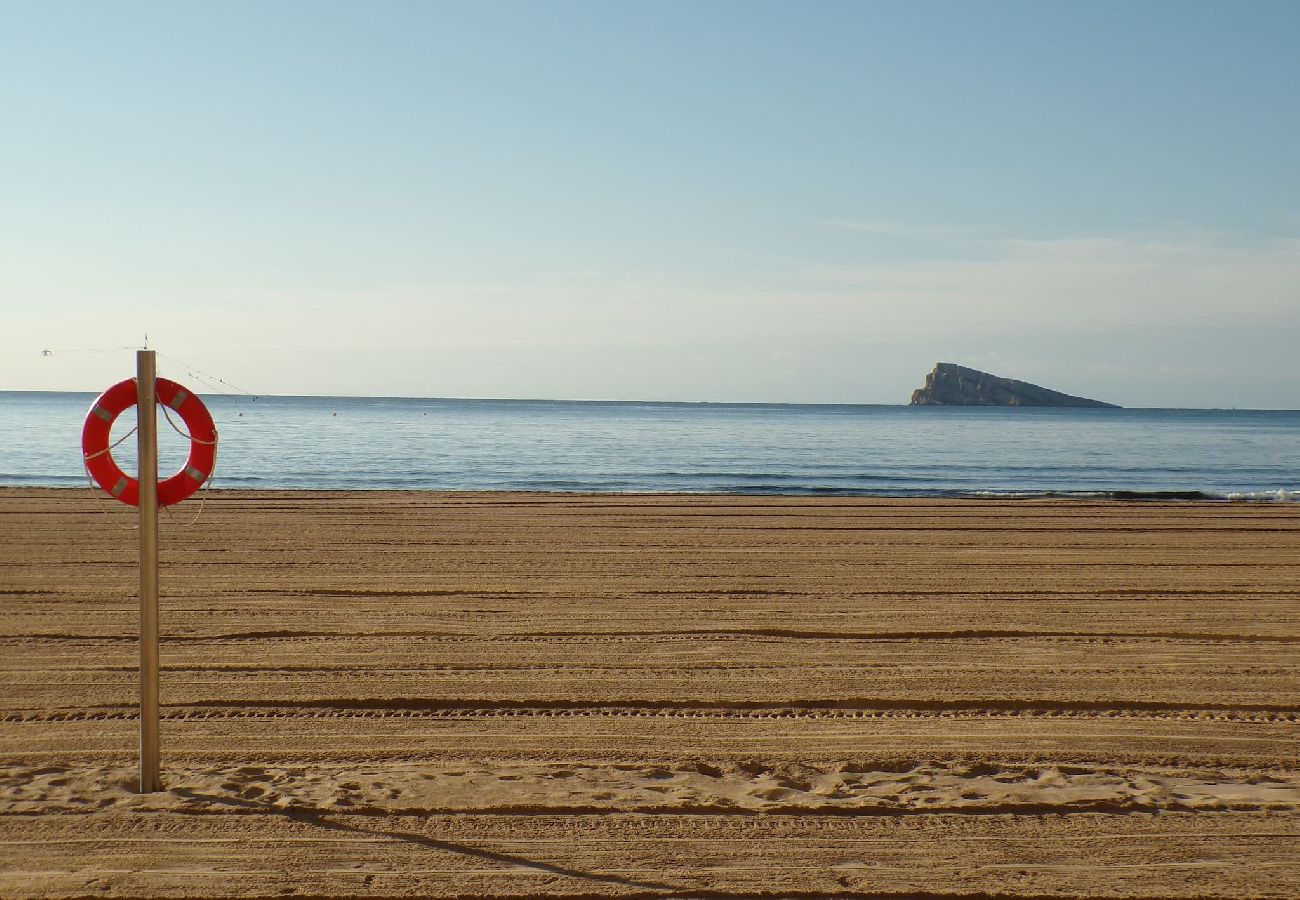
[321,819]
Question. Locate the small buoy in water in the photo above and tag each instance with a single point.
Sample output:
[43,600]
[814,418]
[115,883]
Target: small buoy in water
[334,414]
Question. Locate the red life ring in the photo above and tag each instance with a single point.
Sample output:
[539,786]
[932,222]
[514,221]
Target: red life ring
[99,460]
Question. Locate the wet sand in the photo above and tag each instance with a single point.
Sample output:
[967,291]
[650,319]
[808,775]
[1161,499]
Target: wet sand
[429,694]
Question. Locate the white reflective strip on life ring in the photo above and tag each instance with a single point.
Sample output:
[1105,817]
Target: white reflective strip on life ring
[181,397]
[195,474]
[119,487]
[102,413]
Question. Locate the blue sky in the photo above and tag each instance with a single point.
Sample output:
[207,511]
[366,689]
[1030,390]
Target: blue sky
[806,202]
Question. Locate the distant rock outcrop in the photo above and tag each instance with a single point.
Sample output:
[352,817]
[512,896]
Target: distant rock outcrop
[953,385]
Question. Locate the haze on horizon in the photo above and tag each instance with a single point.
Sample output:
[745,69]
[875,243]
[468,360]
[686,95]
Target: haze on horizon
[783,202]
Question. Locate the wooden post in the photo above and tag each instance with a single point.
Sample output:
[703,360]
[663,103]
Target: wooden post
[146,406]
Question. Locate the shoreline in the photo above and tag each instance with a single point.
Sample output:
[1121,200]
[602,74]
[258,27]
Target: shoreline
[1278,496]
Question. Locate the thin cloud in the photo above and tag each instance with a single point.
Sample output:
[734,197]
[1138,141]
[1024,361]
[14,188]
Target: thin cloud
[945,234]
[1083,282]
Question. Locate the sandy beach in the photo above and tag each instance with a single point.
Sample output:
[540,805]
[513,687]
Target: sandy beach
[520,695]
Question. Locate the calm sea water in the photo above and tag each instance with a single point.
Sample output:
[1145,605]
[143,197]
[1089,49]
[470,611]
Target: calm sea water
[373,443]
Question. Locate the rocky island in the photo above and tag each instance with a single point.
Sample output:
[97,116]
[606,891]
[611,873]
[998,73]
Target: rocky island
[953,385]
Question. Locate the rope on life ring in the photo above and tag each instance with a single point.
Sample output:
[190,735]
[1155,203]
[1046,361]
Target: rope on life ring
[98,457]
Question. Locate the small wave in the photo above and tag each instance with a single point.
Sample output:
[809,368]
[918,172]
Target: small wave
[1257,496]
[1158,495]
[1279,495]
[14,480]
[1091,495]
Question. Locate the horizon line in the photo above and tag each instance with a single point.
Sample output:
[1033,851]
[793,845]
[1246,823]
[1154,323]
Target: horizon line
[629,402]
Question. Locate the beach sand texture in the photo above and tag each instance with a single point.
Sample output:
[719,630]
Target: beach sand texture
[505,695]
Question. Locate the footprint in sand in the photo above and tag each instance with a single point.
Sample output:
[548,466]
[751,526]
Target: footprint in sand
[773,794]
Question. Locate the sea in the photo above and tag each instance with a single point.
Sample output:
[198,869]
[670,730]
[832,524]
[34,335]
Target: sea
[382,443]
